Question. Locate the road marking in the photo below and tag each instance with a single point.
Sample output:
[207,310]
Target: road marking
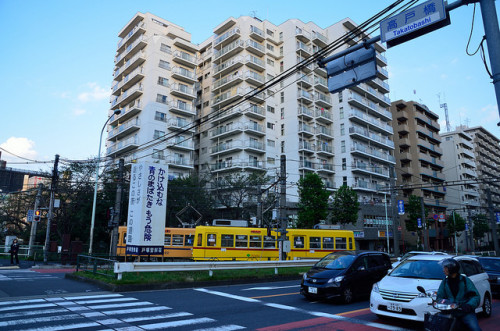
[268,288]
[28,307]
[97,296]
[176,323]
[105,300]
[222,294]
[34,312]
[353,311]
[145,318]
[275,295]
[136,310]
[4,303]
[223,328]
[117,305]
[64,327]
[39,320]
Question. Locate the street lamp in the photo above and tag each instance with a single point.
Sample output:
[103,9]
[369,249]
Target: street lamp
[116,112]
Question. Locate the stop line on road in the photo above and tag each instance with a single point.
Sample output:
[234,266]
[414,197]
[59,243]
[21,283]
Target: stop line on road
[105,311]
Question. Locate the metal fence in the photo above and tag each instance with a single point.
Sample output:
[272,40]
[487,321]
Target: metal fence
[97,265]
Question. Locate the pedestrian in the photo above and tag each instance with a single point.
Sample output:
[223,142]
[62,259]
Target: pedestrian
[14,250]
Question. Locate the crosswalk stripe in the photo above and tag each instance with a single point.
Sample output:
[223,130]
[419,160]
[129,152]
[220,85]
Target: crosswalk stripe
[86,302]
[145,318]
[116,305]
[5,303]
[97,296]
[63,327]
[28,307]
[135,310]
[174,324]
[230,327]
[39,320]
[34,312]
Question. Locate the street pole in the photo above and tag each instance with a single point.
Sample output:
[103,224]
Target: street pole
[51,208]
[424,224]
[282,216]
[386,223]
[117,210]
[455,234]
[395,233]
[492,32]
[34,223]
[92,221]
[493,224]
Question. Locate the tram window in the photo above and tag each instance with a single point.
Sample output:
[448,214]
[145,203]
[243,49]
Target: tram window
[188,240]
[211,239]
[328,243]
[315,242]
[350,243]
[340,243]
[168,240]
[256,241]
[227,240]
[241,241]
[298,242]
[269,242]
[177,240]
[200,240]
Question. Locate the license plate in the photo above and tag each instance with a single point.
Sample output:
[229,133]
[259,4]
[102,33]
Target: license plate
[395,307]
[312,290]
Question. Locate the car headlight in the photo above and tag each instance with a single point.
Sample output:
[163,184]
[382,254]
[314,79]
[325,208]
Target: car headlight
[375,288]
[428,294]
[304,277]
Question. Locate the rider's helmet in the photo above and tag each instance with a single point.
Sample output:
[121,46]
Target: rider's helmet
[450,264]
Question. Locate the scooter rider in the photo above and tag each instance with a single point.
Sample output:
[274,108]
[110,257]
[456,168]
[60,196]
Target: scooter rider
[458,288]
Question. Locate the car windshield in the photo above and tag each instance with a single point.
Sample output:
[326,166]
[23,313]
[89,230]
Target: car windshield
[418,269]
[490,264]
[335,262]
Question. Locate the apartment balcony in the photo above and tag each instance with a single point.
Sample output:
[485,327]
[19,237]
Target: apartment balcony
[254,78]
[329,185]
[319,39]
[229,66]
[303,80]
[379,84]
[254,146]
[375,124]
[226,130]
[436,190]
[403,128]
[305,113]
[223,166]
[302,35]
[365,104]
[372,94]
[324,116]
[324,149]
[305,68]
[469,153]
[123,146]
[254,129]
[183,91]
[306,130]
[132,93]
[254,47]
[470,172]
[432,148]
[382,73]
[324,132]
[132,49]
[404,142]
[327,168]
[366,151]
[130,110]
[184,59]
[431,160]
[228,97]
[257,34]
[184,75]
[406,156]
[255,63]
[181,143]
[306,165]
[124,129]
[306,147]
[304,97]
[431,136]
[253,111]
[321,83]
[303,50]
[362,185]
[432,123]
[435,175]
[136,30]
[322,99]
[227,147]
[226,38]
[320,71]
[253,94]
[374,170]
[374,139]
[227,82]
[179,124]
[381,60]
[132,63]
[181,108]
[229,51]
[132,78]
[178,162]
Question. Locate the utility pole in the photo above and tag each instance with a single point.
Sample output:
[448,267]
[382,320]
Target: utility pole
[471,233]
[115,222]
[424,223]
[493,223]
[395,234]
[259,206]
[34,223]
[282,216]
[51,208]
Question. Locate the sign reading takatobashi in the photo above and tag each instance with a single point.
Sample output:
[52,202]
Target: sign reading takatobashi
[147,208]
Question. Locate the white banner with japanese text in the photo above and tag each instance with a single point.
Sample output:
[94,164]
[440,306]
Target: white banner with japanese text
[147,208]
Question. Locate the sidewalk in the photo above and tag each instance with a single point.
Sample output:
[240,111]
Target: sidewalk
[23,264]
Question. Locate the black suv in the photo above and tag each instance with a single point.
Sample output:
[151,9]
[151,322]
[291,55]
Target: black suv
[345,275]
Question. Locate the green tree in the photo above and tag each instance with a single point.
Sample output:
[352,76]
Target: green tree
[455,223]
[313,201]
[414,211]
[345,206]
[481,226]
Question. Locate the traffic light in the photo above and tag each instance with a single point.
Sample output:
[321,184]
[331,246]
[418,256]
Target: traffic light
[37,215]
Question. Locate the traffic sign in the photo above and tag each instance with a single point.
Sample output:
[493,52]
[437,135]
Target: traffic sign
[442,218]
[414,22]
[435,217]
[401,207]
[498,217]
[30,215]
[419,222]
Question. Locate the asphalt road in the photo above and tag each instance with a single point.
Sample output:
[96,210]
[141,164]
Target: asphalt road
[45,300]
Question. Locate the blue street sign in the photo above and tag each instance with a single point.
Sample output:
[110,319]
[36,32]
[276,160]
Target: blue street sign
[401,207]
[414,22]
[466,226]
[498,217]
[30,215]
[419,222]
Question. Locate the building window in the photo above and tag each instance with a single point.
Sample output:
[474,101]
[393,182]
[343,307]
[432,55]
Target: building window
[158,154]
[271,143]
[342,146]
[157,134]
[159,116]
[270,62]
[282,113]
[270,125]
[340,96]
[282,147]
[165,48]
[163,81]
[270,47]
[282,129]
[344,180]
[269,32]
[270,109]
[344,163]
[282,97]
[341,112]
[161,98]
[203,150]
[271,161]
[164,64]
[342,129]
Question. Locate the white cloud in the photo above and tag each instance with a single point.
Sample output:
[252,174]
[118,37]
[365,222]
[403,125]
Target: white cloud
[19,146]
[96,93]
[79,111]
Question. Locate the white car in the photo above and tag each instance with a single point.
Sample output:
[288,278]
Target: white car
[413,253]
[396,295]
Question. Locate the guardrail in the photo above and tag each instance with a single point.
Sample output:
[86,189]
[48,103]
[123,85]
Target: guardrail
[96,265]
[122,267]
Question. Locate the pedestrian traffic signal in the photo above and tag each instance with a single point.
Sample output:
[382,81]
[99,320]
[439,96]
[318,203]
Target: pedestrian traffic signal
[37,215]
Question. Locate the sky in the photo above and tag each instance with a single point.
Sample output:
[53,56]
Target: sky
[56,65]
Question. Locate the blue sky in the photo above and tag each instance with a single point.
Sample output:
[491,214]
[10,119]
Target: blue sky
[57,56]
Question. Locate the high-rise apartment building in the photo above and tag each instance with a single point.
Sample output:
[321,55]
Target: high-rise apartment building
[165,83]
[420,163]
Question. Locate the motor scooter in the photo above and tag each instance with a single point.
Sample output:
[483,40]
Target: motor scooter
[445,318]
